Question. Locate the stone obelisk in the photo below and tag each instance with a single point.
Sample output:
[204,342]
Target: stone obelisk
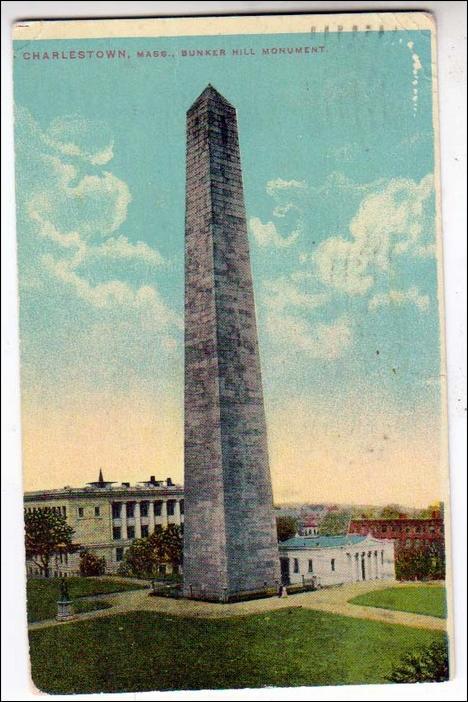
[230,543]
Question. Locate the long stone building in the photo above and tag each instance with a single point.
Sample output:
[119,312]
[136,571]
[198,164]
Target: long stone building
[334,560]
[230,544]
[108,516]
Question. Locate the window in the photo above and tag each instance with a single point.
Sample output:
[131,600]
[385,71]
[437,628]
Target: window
[144,509]
[311,566]
[384,528]
[418,530]
[144,530]
[296,565]
[130,532]
[407,530]
[130,509]
[332,563]
[64,512]
[97,511]
[170,508]
[116,510]
[181,504]
[157,509]
[119,552]
[80,511]
[116,533]
[381,557]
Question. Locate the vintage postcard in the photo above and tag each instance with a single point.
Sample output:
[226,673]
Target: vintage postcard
[232,357]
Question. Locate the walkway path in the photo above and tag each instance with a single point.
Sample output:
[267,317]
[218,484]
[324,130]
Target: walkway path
[333,600]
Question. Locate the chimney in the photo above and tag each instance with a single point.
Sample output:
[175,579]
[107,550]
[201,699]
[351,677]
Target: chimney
[152,479]
[169,482]
[101,478]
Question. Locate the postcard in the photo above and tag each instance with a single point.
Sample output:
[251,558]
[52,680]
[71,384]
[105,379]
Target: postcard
[232,352]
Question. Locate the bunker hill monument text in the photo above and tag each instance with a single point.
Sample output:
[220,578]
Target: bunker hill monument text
[230,543]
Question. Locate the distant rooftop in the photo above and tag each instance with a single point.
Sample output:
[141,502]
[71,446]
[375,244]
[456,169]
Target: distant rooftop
[307,542]
[102,486]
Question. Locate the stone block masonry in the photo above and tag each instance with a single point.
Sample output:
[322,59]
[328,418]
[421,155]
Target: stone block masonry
[230,543]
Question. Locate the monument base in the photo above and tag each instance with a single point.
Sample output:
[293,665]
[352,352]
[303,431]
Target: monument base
[225,597]
[64,611]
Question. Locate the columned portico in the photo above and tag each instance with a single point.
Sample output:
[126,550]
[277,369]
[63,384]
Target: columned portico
[151,517]
[137,517]
[123,520]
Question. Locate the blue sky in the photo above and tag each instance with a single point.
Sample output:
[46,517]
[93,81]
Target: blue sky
[337,155]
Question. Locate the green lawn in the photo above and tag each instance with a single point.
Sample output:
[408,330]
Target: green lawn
[43,594]
[147,651]
[422,599]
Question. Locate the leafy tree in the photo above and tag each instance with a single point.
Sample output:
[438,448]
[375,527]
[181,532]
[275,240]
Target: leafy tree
[434,507]
[286,528]
[173,545]
[335,523]
[46,535]
[426,665]
[145,555]
[90,564]
[390,512]
[426,563]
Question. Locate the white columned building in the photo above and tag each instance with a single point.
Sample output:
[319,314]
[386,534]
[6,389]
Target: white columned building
[336,559]
[101,515]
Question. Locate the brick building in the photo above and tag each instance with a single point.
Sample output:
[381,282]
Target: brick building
[407,532]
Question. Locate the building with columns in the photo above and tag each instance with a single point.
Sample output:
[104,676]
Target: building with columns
[334,560]
[108,516]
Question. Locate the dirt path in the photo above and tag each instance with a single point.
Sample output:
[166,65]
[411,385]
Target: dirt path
[333,600]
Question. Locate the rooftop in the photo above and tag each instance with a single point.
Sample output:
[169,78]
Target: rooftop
[308,542]
[102,486]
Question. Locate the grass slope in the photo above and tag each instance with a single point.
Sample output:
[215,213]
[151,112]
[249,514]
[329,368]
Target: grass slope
[42,594]
[147,651]
[418,600]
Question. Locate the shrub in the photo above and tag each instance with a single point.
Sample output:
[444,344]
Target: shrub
[91,565]
[426,665]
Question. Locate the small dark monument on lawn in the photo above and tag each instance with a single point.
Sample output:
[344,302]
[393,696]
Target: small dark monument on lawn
[230,544]
[64,605]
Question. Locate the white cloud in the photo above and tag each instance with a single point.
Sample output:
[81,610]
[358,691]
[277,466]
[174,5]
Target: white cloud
[78,215]
[400,297]
[73,135]
[121,248]
[284,292]
[279,184]
[390,221]
[319,340]
[268,235]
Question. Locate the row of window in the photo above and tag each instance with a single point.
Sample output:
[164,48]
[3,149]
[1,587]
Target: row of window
[117,532]
[310,564]
[144,508]
[397,529]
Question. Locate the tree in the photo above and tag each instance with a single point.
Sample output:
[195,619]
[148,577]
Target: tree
[335,523]
[286,528]
[146,555]
[46,535]
[173,545]
[390,512]
[426,563]
[90,564]
[426,665]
